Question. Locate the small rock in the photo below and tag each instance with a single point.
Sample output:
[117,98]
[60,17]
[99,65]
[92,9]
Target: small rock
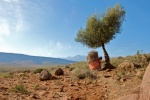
[59,72]
[53,77]
[70,97]
[94,93]
[128,73]
[139,73]
[67,66]
[35,96]
[76,89]
[62,89]
[124,85]
[71,85]
[77,98]
[5,93]
[105,82]
[45,75]
[108,70]
[105,86]
[43,93]
[123,79]
[107,76]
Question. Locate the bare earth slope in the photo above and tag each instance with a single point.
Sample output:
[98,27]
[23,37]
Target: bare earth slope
[110,85]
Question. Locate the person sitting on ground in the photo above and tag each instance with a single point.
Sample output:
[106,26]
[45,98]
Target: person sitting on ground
[94,61]
[96,65]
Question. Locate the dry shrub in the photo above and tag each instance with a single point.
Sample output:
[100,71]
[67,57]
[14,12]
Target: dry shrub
[39,70]
[19,89]
[83,74]
[92,56]
[7,74]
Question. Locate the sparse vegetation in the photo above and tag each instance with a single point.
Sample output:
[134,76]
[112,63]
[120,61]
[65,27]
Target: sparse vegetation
[58,82]
[38,70]
[19,89]
[6,74]
[36,87]
[82,74]
[77,76]
[121,74]
[24,75]
[26,71]
[139,60]
[79,66]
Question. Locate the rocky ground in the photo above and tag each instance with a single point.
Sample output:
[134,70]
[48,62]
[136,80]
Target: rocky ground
[109,85]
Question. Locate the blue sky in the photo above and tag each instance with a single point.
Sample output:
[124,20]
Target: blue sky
[49,27]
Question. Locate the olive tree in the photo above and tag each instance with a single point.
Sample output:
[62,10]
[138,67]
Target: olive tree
[101,28]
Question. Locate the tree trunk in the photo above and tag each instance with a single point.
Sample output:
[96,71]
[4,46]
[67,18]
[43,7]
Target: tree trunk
[107,60]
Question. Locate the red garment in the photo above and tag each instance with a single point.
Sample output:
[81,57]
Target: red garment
[95,65]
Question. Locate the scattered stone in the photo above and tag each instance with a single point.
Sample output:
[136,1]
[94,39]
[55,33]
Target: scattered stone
[53,77]
[105,86]
[116,77]
[139,73]
[34,96]
[59,72]
[45,75]
[43,93]
[77,98]
[3,89]
[5,94]
[123,79]
[70,97]
[67,66]
[128,73]
[62,89]
[107,76]
[43,88]
[94,93]
[126,66]
[105,82]
[124,85]
[108,70]
[136,91]
[71,85]
[144,59]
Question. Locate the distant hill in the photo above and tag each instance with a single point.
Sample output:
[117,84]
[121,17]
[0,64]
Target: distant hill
[77,58]
[21,59]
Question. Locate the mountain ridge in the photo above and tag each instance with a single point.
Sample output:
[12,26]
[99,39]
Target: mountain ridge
[18,58]
[76,58]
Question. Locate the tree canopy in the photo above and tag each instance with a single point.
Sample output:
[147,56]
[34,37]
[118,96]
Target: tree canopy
[101,28]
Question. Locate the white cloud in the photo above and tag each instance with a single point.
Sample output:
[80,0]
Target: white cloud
[4,28]
[5,47]
[52,49]
[12,19]
[58,49]
[9,1]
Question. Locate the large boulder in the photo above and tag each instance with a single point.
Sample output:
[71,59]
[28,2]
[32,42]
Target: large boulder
[59,72]
[45,75]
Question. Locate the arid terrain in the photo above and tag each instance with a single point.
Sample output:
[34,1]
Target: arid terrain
[107,85]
